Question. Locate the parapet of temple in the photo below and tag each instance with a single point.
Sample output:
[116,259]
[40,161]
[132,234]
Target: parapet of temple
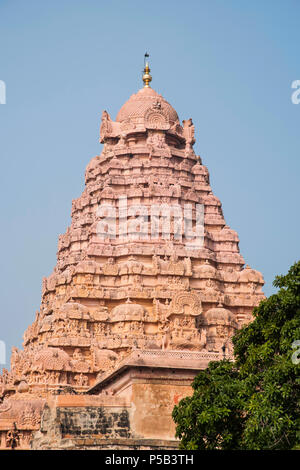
[132,309]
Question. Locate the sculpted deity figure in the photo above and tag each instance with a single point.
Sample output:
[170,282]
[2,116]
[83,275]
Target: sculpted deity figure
[77,355]
[17,361]
[156,305]
[54,377]
[106,126]
[174,257]
[164,331]
[81,380]
[122,140]
[189,134]
[188,266]
[110,268]
[13,437]
[156,265]
[189,131]
[157,141]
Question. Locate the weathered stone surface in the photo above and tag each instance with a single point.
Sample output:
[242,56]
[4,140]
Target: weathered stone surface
[90,420]
[110,297]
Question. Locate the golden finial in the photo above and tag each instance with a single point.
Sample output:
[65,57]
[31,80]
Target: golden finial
[146,77]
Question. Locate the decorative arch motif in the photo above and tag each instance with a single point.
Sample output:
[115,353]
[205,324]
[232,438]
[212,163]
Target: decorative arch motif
[187,303]
[156,119]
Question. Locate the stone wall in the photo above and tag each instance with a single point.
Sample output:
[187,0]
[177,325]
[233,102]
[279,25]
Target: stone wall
[75,418]
[84,422]
[100,421]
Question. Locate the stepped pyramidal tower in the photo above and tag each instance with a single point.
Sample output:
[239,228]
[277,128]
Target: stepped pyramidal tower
[148,288]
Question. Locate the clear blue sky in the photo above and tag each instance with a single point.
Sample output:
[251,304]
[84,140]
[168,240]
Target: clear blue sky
[227,64]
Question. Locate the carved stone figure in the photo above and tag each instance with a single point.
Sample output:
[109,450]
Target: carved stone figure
[106,126]
[189,135]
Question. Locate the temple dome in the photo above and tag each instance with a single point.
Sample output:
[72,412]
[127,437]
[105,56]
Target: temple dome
[219,316]
[250,275]
[206,270]
[52,359]
[128,312]
[141,102]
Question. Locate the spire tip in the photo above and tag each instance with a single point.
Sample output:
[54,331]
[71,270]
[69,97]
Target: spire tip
[146,77]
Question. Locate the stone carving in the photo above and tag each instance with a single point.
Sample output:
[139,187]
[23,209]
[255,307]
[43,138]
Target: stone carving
[79,364]
[187,303]
[110,268]
[106,126]
[131,266]
[172,265]
[30,416]
[103,359]
[188,266]
[122,141]
[220,325]
[81,380]
[13,438]
[107,297]
[157,143]
[189,135]
[156,118]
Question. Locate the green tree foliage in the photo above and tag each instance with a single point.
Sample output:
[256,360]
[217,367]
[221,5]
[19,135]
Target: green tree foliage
[252,402]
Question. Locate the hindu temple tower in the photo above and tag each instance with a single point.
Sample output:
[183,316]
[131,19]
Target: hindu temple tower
[135,306]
